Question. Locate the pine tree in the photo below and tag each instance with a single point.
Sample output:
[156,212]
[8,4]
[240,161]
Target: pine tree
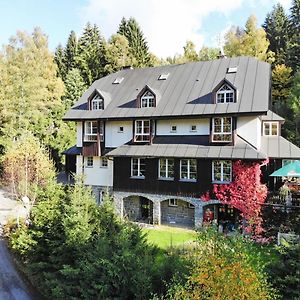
[251,42]
[293,52]
[276,27]
[137,43]
[91,54]
[60,61]
[70,52]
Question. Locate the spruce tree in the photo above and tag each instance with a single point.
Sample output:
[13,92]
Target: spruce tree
[276,27]
[60,61]
[70,52]
[137,42]
[91,54]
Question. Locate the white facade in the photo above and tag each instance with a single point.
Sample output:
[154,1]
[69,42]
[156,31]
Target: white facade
[183,127]
[249,128]
[98,175]
[79,134]
[117,133]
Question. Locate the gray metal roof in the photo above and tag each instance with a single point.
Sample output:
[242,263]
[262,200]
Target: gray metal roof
[187,90]
[241,150]
[279,147]
[271,116]
[74,150]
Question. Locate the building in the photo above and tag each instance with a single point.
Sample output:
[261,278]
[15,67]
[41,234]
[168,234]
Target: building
[158,138]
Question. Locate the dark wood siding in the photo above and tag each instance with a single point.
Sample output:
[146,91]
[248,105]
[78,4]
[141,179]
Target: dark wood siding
[151,183]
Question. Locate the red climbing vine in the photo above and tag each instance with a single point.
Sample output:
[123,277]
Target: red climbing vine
[245,193]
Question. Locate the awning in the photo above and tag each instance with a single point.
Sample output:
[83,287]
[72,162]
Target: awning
[290,170]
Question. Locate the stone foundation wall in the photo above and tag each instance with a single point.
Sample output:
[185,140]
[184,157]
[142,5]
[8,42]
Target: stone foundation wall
[132,208]
[181,214]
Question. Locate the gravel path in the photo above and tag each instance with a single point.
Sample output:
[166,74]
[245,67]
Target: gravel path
[12,287]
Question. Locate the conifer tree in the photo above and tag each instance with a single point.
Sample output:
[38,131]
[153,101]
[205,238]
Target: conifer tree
[70,52]
[91,54]
[276,27]
[137,42]
[60,61]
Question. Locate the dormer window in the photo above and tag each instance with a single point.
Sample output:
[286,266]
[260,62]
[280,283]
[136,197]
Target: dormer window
[226,94]
[148,99]
[97,102]
[270,128]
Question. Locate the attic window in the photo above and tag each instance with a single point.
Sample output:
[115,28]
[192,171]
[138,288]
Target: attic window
[97,102]
[148,99]
[231,70]
[226,94]
[118,80]
[163,76]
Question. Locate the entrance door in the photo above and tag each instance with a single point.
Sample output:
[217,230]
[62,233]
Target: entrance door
[146,210]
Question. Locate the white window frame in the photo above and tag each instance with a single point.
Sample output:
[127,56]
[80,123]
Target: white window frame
[188,170]
[103,159]
[139,176]
[167,163]
[89,162]
[90,131]
[222,171]
[145,137]
[225,93]
[270,123]
[173,202]
[97,103]
[173,130]
[222,132]
[147,99]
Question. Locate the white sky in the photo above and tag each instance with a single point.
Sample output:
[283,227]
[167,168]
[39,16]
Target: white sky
[168,24]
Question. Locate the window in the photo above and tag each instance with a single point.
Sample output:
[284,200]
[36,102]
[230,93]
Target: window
[166,168]
[287,161]
[97,102]
[225,94]
[103,162]
[173,202]
[89,161]
[90,131]
[193,128]
[221,171]
[271,128]
[190,205]
[188,169]
[118,80]
[222,129]
[101,131]
[163,76]
[121,129]
[173,128]
[142,131]
[148,100]
[138,167]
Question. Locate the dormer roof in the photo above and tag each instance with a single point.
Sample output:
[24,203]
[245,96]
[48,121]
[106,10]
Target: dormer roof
[186,92]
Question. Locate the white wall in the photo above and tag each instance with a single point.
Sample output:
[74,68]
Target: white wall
[249,128]
[114,138]
[183,127]
[79,164]
[79,134]
[97,175]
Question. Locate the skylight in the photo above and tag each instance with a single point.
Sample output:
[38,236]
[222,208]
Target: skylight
[232,70]
[118,80]
[163,76]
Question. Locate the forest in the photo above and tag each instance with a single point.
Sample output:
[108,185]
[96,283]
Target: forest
[71,248]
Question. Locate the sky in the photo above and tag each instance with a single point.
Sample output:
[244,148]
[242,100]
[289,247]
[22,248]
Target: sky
[167,24]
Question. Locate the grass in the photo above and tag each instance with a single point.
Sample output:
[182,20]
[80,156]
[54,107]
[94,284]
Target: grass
[165,236]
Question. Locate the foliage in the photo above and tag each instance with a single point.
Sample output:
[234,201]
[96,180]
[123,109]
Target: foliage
[281,84]
[207,53]
[137,43]
[245,193]
[224,268]
[27,167]
[249,42]
[30,90]
[285,272]
[118,54]
[276,27]
[77,250]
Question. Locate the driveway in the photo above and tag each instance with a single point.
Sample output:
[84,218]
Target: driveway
[12,286]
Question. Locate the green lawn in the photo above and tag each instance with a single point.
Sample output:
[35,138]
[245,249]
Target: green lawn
[165,236]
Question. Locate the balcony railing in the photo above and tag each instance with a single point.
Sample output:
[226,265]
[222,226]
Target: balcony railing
[279,200]
[90,138]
